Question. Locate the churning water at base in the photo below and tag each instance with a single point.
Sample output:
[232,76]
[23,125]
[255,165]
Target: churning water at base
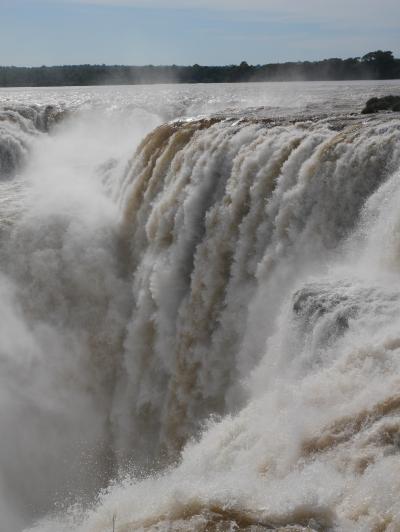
[199,319]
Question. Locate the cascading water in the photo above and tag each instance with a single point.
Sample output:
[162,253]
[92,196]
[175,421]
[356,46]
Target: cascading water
[204,333]
[18,125]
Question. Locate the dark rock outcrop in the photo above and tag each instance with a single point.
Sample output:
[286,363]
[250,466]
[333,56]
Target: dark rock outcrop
[387,103]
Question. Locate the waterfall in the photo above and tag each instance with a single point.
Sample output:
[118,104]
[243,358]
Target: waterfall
[201,326]
[220,222]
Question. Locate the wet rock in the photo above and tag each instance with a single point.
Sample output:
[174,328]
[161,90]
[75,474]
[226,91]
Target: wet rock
[387,103]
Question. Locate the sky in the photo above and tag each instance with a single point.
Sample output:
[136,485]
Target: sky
[184,32]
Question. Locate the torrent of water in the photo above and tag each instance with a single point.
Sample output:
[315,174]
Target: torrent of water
[200,322]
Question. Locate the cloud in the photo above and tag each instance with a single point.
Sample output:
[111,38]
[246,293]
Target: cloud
[337,7]
[371,12]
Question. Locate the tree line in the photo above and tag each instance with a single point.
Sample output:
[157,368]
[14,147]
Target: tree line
[374,65]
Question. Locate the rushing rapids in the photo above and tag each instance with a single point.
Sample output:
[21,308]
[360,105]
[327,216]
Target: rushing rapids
[18,125]
[202,335]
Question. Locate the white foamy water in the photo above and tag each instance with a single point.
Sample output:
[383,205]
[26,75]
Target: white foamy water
[199,308]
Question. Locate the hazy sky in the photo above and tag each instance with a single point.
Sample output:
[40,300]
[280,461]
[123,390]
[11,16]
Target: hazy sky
[36,32]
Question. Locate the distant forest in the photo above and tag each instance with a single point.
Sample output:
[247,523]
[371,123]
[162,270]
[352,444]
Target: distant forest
[374,65]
